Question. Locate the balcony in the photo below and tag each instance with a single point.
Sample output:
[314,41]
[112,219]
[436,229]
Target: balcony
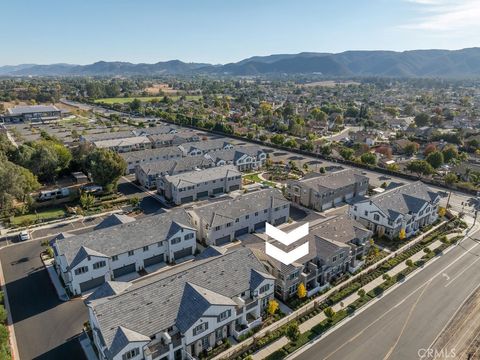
[252,323]
[158,350]
[251,305]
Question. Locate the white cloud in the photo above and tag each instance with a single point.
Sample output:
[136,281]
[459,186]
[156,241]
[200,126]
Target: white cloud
[446,15]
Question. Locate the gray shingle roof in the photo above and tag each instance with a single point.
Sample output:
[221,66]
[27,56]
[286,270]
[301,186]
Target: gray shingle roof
[120,239]
[195,301]
[332,181]
[108,289]
[175,166]
[152,305]
[124,336]
[114,219]
[199,176]
[205,146]
[225,211]
[122,142]
[235,153]
[19,110]
[403,199]
[146,155]
[108,135]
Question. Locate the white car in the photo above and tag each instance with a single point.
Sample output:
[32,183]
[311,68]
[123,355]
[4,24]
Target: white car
[24,236]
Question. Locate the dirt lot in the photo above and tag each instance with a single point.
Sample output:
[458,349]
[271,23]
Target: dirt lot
[461,339]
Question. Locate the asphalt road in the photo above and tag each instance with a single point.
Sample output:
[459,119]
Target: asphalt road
[407,320]
[45,328]
[148,203]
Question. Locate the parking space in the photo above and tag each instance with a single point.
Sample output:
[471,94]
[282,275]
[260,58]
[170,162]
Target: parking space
[45,327]
[148,203]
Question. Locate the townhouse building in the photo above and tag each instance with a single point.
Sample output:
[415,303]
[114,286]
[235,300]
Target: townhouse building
[91,138]
[148,156]
[173,139]
[323,191]
[194,185]
[148,174]
[336,246]
[408,207]
[223,221]
[244,157]
[203,147]
[88,260]
[121,145]
[181,313]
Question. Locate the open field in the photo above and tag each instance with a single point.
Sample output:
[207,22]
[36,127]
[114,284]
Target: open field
[48,214]
[124,100]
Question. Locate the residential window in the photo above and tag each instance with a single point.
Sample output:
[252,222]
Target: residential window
[237,220]
[265,211]
[264,288]
[200,328]
[217,228]
[175,240]
[145,248]
[99,264]
[131,252]
[376,217]
[366,213]
[334,259]
[114,257]
[355,208]
[256,213]
[229,224]
[131,354]
[160,243]
[247,217]
[81,270]
[224,315]
[189,236]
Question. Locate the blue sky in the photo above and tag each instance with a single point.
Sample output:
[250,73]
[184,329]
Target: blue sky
[221,31]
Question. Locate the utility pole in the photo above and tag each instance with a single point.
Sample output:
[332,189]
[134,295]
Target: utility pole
[448,200]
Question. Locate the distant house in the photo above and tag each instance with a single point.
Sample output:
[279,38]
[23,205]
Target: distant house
[33,113]
[108,135]
[408,207]
[191,186]
[322,191]
[172,139]
[133,143]
[221,222]
[363,137]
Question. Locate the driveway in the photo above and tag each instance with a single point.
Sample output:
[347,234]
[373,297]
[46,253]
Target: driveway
[45,328]
[148,203]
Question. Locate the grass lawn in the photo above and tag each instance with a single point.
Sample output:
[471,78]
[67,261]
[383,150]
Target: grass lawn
[124,100]
[254,177]
[46,214]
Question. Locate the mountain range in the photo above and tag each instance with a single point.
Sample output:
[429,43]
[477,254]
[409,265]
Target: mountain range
[463,63]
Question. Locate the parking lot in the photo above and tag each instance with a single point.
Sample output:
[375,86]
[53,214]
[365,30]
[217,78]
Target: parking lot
[45,327]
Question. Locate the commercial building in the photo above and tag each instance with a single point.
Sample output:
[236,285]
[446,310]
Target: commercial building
[33,113]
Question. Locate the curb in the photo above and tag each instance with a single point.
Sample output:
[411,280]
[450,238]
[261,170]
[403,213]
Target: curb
[11,330]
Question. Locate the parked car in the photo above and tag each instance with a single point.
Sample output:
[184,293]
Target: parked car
[24,235]
[53,194]
[92,189]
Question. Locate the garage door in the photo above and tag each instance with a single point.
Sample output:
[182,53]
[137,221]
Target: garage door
[280,220]
[90,284]
[202,194]
[127,269]
[260,225]
[186,199]
[338,200]
[182,253]
[223,240]
[348,196]
[218,190]
[234,187]
[241,232]
[326,206]
[154,260]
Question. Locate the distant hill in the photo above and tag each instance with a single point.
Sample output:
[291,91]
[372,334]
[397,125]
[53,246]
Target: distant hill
[416,63]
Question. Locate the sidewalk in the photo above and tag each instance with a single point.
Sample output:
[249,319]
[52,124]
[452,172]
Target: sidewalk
[62,295]
[317,319]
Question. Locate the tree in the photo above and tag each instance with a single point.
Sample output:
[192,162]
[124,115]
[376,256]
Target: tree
[135,105]
[409,263]
[402,234]
[329,313]
[429,149]
[277,139]
[442,211]
[293,332]
[435,159]
[450,178]
[272,306]
[422,119]
[134,201]
[420,167]
[318,115]
[87,201]
[368,158]
[301,291]
[106,167]
[361,293]
[346,153]
[411,148]
[449,153]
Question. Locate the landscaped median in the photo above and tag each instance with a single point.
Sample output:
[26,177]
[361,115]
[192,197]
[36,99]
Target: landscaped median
[324,312]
